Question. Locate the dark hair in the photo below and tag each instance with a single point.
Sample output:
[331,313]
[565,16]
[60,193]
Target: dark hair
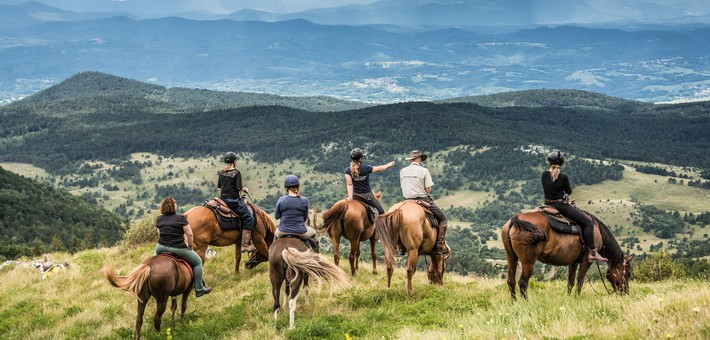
[168,206]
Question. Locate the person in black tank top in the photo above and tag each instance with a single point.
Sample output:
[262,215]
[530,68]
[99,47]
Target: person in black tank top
[229,183]
[557,190]
[357,179]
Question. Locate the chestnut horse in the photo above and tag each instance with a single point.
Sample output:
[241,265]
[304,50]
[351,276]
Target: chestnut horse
[207,231]
[349,219]
[290,260]
[160,277]
[528,237]
[406,223]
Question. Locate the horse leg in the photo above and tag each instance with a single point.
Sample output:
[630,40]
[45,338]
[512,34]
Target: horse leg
[306,290]
[237,256]
[373,242]
[583,267]
[287,292]
[335,238]
[354,249]
[295,286]
[173,307]
[162,304]
[276,291]
[139,318]
[512,272]
[183,302]
[570,276]
[528,267]
[411,268]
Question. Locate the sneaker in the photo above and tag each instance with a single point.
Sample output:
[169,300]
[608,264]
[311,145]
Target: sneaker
[206,291]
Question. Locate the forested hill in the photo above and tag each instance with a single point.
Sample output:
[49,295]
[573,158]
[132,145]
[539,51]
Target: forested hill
[36,218]
[86,87]
[554,98]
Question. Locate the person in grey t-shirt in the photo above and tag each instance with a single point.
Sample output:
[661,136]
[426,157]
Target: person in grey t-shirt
[416,184]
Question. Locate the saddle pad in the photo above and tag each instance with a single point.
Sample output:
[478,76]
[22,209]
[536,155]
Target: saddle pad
[228,221]
[562,226]
[179,260]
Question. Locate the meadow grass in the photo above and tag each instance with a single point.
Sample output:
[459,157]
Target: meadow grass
[80,304]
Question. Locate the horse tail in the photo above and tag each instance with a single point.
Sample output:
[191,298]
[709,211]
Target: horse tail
[335,214]
[532,235]
[315,266]
[387,226]
[133,282]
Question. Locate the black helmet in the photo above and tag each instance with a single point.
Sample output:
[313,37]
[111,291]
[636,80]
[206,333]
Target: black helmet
[555,157]
[230,157]
[291,181]
[356,154]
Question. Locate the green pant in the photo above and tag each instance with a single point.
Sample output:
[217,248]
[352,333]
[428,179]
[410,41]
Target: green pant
[188,255]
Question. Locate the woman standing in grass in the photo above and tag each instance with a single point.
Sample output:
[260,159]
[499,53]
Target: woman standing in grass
[172,227]
[557,189]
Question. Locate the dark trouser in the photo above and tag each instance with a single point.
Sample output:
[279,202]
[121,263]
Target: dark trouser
[581,218]
[240,208]
[370,199]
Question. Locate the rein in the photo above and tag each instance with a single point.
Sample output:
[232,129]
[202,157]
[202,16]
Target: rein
[602,278]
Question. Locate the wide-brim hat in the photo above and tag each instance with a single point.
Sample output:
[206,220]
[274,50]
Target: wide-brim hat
[416,153]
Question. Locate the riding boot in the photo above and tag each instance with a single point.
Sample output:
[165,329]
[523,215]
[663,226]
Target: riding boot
[594,256]
[247,244]
[441,246]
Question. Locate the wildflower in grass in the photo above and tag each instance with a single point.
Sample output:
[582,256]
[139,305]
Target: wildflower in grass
[696,309]
[168,336]
[347,337]
[669,336]
[461,326]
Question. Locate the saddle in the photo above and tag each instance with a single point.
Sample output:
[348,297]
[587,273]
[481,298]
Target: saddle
[371,211]
[180,260]
[558,222]
[311,243]
[227,219]
[427,212]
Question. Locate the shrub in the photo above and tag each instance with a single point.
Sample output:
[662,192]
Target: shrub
[142,231]
[657,267]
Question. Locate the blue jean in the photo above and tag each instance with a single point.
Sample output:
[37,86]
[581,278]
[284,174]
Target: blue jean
[238,206]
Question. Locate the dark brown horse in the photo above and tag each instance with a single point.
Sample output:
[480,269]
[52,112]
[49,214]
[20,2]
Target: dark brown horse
[290,260]
[160,277]
[406,223]
[207,232]
[349,219]
[528,237]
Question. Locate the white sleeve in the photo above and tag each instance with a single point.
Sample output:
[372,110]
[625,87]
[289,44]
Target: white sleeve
[427,180]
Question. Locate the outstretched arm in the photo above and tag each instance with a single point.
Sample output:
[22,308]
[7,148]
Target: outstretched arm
[380,168]
[349,184]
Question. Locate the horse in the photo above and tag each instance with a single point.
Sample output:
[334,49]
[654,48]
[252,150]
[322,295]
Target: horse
[206,231]
[406,222]
[291,260]
[529,237]
[160,277]
[349,218]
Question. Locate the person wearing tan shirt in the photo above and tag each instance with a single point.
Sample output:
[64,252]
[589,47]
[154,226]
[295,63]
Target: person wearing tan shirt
[416,184]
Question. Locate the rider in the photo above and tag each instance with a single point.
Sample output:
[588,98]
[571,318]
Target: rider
[357,179]
[557,189]
[292,210]
[171,227]
[230,185]
[416,185]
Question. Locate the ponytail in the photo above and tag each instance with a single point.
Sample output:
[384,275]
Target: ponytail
[229,166]
[554,171]
[355,168]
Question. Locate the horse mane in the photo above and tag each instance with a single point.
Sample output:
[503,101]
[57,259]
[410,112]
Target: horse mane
[333,215]
[610,248]
[265,217]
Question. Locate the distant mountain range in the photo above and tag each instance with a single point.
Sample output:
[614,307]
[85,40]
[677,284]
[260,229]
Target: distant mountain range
[40,46]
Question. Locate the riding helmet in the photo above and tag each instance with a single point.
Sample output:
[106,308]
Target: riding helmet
[555,157]
[230,157]
[291,181]
[356,154]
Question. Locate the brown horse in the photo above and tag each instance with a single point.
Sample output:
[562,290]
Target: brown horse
[406,223]
[208,232]
[528,237]
[160,277]
[349,219]
[290,260]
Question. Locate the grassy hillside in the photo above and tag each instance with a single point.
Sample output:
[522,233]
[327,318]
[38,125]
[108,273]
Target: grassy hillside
[80,304]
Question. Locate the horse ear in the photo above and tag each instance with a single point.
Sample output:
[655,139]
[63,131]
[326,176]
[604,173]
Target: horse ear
[628,258]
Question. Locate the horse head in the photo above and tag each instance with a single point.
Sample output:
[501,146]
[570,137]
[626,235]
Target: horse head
[378,195]
[619,275]
[436,268]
